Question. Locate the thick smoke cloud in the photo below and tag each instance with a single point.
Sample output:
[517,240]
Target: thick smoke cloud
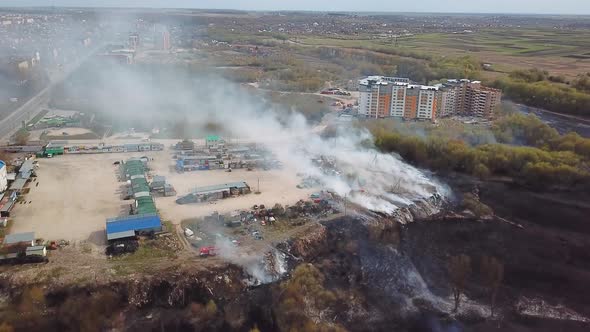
[377,181]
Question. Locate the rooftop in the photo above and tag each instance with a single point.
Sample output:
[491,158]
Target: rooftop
[219,187]
[384,80]
[26,167]
[19,237]
[133,223]
[18,184]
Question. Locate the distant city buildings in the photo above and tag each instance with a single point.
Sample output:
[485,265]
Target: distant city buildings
[382,97]
[166,40]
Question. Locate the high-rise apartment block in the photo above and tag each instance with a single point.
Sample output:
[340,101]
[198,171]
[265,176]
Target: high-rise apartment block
[382,97]
[472,99]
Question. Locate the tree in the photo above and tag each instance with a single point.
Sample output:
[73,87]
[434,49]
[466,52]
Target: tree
[492,271]
[459,271]
[22,137]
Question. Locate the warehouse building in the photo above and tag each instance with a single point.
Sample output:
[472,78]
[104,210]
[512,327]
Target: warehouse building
[131,226]
[26,169]
[210,193]
[197,163]
[21,247]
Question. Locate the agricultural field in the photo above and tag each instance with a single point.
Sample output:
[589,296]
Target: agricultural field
[563,52]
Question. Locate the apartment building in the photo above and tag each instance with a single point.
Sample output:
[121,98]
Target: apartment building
[469,98]
[382,97]
[448,103]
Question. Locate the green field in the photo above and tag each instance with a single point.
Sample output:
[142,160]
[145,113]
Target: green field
[516,42]
[564,52]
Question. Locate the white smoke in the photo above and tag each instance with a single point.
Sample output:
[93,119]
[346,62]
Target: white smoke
[261,267]
[377,181]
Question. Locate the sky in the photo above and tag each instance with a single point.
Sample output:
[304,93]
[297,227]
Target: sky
[580,7]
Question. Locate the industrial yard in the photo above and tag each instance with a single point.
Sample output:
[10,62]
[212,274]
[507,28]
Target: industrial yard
[74,197]
[89,193]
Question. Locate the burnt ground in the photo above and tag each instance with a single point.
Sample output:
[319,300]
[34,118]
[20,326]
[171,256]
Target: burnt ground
[400,278]
[549,258]
[388,277]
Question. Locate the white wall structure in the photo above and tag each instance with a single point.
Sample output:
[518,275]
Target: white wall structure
[3,180]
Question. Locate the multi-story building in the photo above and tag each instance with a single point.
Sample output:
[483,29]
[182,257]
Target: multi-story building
[470,98]
[482,100]
[165,40]
[448,103]
[382,97]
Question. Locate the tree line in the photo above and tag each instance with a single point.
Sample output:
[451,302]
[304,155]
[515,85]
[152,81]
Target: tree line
[551,160]
[539,89]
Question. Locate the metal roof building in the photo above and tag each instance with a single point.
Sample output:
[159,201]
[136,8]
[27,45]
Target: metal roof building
[28,237]
[117,228]
[220,187]
[6,208]
[26,169]
[18,184]
[145,205]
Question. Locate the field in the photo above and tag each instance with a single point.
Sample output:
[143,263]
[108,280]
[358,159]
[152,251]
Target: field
[69,133]
[564,52]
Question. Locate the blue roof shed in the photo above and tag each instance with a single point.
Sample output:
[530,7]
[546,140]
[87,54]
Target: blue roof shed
[116,227]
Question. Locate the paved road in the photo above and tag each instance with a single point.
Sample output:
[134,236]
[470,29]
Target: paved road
[31,108]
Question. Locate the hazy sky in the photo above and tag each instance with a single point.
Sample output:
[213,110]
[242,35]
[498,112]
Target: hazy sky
[470,6]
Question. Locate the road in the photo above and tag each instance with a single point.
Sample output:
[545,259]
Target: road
[33,106]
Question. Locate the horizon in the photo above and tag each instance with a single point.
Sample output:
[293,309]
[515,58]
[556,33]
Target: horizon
[366,12]
[433,7]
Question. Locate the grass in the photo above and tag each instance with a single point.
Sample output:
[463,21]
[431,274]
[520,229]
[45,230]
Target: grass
[72,137]
[86,248]
[37,117]
[146,251]
[506,49]
[515,42]
[50,275]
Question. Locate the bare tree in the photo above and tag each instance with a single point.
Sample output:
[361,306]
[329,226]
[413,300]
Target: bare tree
[492,270]
[459,271]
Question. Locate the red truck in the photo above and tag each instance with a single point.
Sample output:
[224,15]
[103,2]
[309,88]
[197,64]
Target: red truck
[208,251]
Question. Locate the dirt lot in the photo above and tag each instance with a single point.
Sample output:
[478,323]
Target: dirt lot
[76,193]
[276,186]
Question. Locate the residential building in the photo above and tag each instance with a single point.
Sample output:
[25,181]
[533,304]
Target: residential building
[469,98]
[448,104]
[166,40]
[381,97]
